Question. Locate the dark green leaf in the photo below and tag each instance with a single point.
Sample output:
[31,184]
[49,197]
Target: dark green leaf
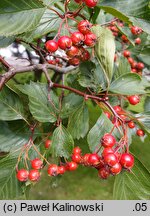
[105,50]
[78,124]
[62,142]
[144,120]
[19,16]
[134,185]
[41,109]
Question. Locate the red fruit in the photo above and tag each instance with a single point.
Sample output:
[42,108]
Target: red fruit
[134,99]
[134,64]
[114,29]
[53,62]
[85,159]
[61,170]
[126,53]
[22,175]
[116,169]
[115,58]
[108,140]
[90,39]
[117,109]
[84,26]
[136,30]
[77,150]
[110,159]
[130,60]
[137,41]
[73,51]
[36,163]
[131,124]
[71,166]
[51,45]
[78,1]
[52,170]
[140,66]
[64,42]
[47,143]
[34,175]
[103,173]
[75,61]
[127,160]
[123,117]
[85,55]
[91,3]
[76,158]
[140,132]
[133,70]
[93,159]
[77,38]
[107,151]
[124,38]
[107,114]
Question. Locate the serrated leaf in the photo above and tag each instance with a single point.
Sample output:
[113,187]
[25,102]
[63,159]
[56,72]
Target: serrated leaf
[134,185]
[122,67]
[19,16]
[10,105]
[105,50]
[10,187]
[41,109]
[78,124]
[62,142]
[129,84]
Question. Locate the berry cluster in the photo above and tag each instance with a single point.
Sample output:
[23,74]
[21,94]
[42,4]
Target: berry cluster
[74,45]
[88,3]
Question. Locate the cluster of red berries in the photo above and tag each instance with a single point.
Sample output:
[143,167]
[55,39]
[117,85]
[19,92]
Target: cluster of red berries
[89,3]
[74,45]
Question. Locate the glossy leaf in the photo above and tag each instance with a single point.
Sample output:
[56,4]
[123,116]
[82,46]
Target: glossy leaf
[19,16]
[105,50]
[62,142]
[134,185]
[41,109]
[78,124]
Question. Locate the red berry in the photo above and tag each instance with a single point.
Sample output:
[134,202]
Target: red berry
[77,150]
[108,140]
[76,158]
[130,60]
[137,41]
[107,151]
[71,166]
[22,175]
[140,132]
[133,70]
[103,173]
[116,169]
[115,58]
[131,124]
[47,143]
[64,42]
[93,159]
[75,61]
[134,65]
[84,26]
[52,170]
[73,51]
[36,163]
[126,53]
[134,99]
[85,55]
[51,45]
[85,159]
[91,3]
[53,62]
[34,175]
[110,159]
[127,160]
[61,170]
[124,38]
[107,114]
[90,39]
[136,30]
[140,66]
[117,109]
[77,38]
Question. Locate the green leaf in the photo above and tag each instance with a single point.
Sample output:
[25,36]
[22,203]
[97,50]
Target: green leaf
[134,185]
[122,67]
[41,109]
[19,16]
[69,104]
[62,142]
[6,41]
[129,84]
[13,135]
[10,187]
[147,104]
[144,120]
[102,126]
[10,105]
[105,50]
[78,124]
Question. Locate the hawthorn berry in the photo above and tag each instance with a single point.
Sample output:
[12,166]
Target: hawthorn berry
[138,41]
[47,143]
[127,160]
[36,163]
[126,53]
[117,109]
[51,45]
[77,150]
[85,55]
[134,99]
[107,151]
[34,175]
[52,170]
[107,114]
[93,159]
[52,61]
[90,39]
[22,175]
[64,42]
[116,169]
[131,124]
[61,170]
[140,132]
[73,51]
[84,26]
[140,66]
[108,140]
[76,158]
[130,60]
[136,30]
[124,38]
[75,61]
[110,159]
[71,166]
[77,38]
[85,159]
[103,173]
